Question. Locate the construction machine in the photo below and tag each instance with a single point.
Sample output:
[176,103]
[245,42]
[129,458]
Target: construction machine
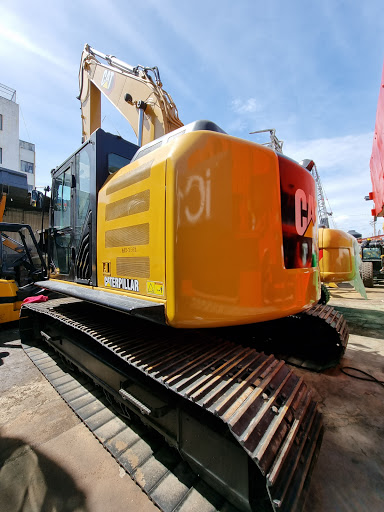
[15,255]
[377,157]
[372,256]
[136,92]
[372,249]
[337,256]
[339,253]
[167,257]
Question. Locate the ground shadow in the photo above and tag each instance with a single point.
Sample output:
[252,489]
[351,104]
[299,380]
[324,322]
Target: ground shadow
[364,322]
[9,332]
[332,491]
[2,356]
[30,480]
[9,338]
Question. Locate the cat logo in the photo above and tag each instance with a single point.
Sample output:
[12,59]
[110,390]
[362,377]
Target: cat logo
[107,80]
[305,213]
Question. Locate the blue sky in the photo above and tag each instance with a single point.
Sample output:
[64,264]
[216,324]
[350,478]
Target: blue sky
[311,70]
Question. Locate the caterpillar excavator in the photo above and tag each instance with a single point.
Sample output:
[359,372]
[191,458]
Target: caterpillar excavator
[182,270]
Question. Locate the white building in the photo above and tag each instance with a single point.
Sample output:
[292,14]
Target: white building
[15,154]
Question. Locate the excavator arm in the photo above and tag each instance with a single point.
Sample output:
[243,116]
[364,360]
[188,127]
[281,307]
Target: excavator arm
[137,92]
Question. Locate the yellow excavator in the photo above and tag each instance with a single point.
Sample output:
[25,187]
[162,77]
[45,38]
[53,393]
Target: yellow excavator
[178,267]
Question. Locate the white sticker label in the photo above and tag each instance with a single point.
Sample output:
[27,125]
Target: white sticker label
[121,283]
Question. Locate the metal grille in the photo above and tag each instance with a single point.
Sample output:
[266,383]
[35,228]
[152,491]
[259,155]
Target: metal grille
[133,266]
[136,203]
[130,235]
[141,173]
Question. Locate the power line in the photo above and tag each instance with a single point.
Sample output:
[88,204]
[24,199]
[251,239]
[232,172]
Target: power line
[25,124]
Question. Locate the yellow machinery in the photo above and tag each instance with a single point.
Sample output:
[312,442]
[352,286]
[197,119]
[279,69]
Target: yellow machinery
[197,232]
[9,304]
[337,256]
[337,249]
[193,229]
[11,294]
[137,93]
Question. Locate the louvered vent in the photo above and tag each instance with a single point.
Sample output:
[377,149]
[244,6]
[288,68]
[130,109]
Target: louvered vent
[141,173]
[132,267]
[136,203]
[130,235]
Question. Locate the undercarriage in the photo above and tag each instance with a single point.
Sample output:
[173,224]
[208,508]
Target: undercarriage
[239,418]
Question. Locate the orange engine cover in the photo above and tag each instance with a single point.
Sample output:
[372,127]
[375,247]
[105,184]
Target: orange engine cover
[241,242]
[219,229]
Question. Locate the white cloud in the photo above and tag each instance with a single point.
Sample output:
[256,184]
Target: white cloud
[24,43]
[343,166]
[335,153]
[248,106]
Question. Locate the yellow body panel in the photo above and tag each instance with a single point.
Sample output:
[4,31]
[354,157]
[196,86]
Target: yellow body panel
[10,311]
[337,257]
[197,224]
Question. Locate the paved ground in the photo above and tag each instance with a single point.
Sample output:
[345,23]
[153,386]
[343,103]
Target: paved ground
[349,475]
[49,461]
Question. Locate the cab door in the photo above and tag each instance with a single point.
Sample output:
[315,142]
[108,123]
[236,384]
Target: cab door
[71,232]
[62,221]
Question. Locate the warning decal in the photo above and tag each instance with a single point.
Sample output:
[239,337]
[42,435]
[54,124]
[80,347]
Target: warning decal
[155,288]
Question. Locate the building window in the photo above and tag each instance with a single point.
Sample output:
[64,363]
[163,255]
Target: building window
[27,145]
[1,155]
[26,166]
[1,121]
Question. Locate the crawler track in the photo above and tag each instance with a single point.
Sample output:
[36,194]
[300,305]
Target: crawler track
[259,401]
[154,466]
[314,340]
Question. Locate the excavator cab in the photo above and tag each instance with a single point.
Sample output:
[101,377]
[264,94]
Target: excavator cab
[75,186]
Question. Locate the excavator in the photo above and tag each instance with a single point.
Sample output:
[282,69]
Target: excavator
[172,262]
[372,249]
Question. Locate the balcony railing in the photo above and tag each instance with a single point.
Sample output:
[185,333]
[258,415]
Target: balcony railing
[7,93]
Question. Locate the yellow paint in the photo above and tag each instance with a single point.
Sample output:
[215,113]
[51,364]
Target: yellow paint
[11,311]
[214,234]
[338,261]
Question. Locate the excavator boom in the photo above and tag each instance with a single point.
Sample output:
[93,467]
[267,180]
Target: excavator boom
[137,93]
